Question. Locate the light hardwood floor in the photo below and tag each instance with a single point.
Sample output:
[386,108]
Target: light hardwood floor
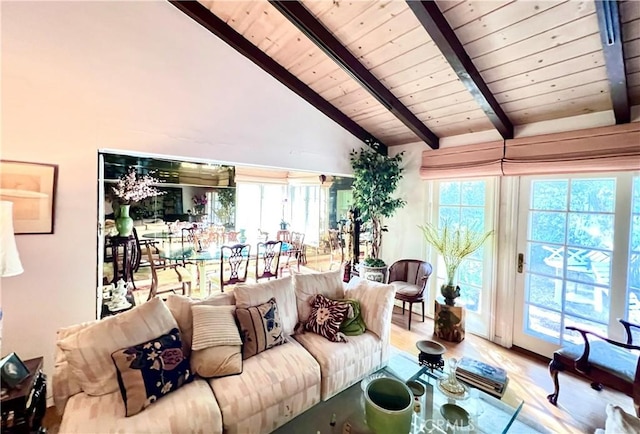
[580,409]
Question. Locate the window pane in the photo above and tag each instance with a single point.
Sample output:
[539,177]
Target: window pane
[449,193]
[472,217]
[593,195]
[543,323]
[587,301]
[545,259]
[549,195]
[591,230]
[473,193]
[547,226]
[449,214]
[544,291]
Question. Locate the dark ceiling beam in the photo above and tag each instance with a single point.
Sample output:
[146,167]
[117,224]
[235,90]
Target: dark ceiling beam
[448,43]
[314,30]
[611,37]
[215,25]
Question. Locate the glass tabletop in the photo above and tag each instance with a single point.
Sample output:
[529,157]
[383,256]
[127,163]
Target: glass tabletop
[478,413]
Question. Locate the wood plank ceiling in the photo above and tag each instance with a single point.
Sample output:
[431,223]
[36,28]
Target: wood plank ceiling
[539,59]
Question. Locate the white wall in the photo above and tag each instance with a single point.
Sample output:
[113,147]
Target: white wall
[404,239]
[131,76]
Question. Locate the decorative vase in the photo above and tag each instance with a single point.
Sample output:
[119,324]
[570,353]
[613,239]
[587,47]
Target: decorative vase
[376,274]
[450,293]
[124,223]
[388,406]
[242,237]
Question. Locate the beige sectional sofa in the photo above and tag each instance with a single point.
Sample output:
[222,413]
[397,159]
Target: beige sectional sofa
[274,386]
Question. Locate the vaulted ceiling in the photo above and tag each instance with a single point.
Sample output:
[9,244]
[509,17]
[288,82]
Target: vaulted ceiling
[399,72]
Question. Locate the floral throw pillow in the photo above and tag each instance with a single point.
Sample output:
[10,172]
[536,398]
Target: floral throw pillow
[326,316]
[260,328]
[151,370]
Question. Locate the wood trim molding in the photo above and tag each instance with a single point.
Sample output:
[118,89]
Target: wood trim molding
[611,37]
[203,16]
[448,43]
[304,20]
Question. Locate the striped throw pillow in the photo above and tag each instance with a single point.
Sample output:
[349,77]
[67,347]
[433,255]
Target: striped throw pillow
[214,326]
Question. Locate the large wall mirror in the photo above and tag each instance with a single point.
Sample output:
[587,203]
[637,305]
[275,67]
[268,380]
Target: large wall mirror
[254,202]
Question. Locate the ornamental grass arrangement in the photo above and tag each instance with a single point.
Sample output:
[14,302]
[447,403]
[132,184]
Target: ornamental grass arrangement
[454,242]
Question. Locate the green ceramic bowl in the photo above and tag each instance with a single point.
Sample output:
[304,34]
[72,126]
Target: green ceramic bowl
[388,406]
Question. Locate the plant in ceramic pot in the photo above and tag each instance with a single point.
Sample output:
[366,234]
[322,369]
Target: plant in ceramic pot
[376,178]
[454,242]
[131,188]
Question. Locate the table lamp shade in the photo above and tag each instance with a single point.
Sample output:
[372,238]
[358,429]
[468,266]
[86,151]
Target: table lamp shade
[10,264]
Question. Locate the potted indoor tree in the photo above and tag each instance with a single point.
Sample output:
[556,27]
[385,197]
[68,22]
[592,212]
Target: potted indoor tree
[454,242]
[376,178]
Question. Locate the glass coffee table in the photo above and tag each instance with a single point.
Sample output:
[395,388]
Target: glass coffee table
[481,412]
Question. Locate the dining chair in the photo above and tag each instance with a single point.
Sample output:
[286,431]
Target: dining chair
[268,259]
[295,250]
[234,264]
[173,278]
[142,259]
[409,278]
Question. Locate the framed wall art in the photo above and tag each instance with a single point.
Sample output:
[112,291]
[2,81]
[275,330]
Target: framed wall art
[32,189]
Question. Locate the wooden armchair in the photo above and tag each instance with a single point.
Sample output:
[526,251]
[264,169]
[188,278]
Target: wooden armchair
[603,361]
[409,277]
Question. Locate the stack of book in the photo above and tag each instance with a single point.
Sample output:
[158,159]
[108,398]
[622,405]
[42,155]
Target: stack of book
[488,378]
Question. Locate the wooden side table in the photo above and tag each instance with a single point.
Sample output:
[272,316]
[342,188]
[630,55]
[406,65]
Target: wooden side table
[24,406]
[124,264]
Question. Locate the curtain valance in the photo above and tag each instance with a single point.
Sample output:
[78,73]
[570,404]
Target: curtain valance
[484,159]
[606,149]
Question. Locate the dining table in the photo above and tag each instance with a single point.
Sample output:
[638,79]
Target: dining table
[190,254]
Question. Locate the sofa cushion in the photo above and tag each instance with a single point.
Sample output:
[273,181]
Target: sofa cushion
[190,409]
[248,295]
[343,364]
[180,307]
[274,387]
[151,370]
[89,351]
[326,316]
[376,302]
[306,286]
[214,326]
[260,327]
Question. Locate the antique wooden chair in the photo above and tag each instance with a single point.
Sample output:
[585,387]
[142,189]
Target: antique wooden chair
[170,279]
[268,259]
[603,361]
[234,264]
[409,278]
[295,250]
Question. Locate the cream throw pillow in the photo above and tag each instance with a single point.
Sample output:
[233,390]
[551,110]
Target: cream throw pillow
[260,293]
[217,361]
[88,352]
[180,307]
[306,286]
[214,326]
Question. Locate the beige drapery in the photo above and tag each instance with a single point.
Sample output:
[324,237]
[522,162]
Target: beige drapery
[606,149]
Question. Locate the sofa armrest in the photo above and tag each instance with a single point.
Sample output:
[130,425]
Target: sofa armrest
[376,303]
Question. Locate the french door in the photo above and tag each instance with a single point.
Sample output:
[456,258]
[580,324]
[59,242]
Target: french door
[578,258]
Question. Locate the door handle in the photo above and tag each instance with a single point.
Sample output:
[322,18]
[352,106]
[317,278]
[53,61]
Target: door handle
[520,262]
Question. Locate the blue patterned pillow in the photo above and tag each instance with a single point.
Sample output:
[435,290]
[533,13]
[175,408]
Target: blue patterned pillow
[148,371]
